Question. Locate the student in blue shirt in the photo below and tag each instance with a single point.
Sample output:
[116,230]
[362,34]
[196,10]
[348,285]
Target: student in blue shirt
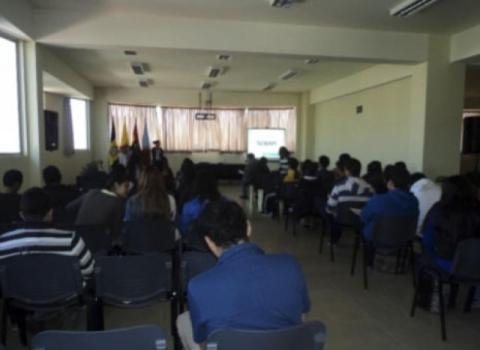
[246,289]
[205,189]
[398,201]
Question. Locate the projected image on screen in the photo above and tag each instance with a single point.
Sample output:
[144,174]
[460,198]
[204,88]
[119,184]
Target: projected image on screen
[265,142]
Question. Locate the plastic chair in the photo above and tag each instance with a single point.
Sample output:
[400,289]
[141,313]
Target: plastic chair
[391,235]
[135,338]
[308,336]
[465,271]
[38,282]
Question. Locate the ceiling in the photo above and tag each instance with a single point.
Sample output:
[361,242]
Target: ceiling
[186,69]
[447,16]
[55,86]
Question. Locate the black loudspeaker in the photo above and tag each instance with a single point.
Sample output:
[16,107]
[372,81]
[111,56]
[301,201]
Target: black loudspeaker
[51,130]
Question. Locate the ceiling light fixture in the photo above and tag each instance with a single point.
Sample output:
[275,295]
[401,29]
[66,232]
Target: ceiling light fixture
[269,87]
[214,72]
[130,52]
[289,74]
[410,7]
[224,57]
[139,68]
[282,3]
[312,61]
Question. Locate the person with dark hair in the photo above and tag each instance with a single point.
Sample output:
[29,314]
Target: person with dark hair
[325,176]
[152,200]
[60,194]
[402,165]
[454,218]
[249,174]
[283,162]
[205,190]
[387,171]
[36,235]
[398,201]
[104,207]
[185,180]
[352,189]
[10,199]
[157,155]
[427,193]
[292,172]
[374,177]
[246,289]
[339,171]
[168,176]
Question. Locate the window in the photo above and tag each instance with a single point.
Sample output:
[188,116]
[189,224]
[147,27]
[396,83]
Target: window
[9,98]
[79,110]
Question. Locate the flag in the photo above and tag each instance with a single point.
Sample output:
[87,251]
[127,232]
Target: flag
[113,135]
[124,140]
[113,153]
[135,135]
[145,138]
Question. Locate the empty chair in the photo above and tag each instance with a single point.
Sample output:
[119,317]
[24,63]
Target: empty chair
[465,271]
[308,336]
[135,338]
[391,235]
[38,283]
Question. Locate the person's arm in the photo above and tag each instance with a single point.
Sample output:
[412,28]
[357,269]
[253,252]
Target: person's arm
[173,207]
[80,250]
[332,201]
[368,212]
[198,326]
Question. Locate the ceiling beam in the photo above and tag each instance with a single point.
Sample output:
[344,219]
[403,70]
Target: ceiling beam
[96,30]
[16,19]
[465,45]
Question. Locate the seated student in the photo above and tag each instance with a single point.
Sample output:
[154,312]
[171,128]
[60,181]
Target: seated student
[37,236]
[339,171]
[104,207]
[283,162]
[326,177]
[292,172]
[205,189]
[152,199]
[398,201]
[375,178]
[427,192]
[262,174]
[249,174]
[10,199]
[351,189]
[246,289]
[309,187]
[61,195]
[454,218]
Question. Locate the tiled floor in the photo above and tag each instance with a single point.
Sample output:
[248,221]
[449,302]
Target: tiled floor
[355,318]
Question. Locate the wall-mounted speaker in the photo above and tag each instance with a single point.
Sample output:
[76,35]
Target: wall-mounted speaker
[51,131]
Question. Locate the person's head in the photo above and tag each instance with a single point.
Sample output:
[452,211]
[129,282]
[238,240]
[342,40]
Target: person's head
[457,192]
[344,157]
[154,197]
[306,163]
[36,206]
[205,186]
[387,171]
[156,143]
[309,169]
[353,167]
[401,165]
[250,157]
[52,176]
[415,177]
[223,224]
[263,161]
[374,167]
[283,152]
[12,180]
[399,179]
[293,163]
[187,170]
[117,181]
[324,162]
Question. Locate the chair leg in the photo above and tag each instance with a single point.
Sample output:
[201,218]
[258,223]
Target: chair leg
[414,302]
[294,223]
[22,328]
[95,318]
[365,266]
[412,263]
[442,310]
[354,257]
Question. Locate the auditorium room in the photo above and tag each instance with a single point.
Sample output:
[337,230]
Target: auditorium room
[231,175]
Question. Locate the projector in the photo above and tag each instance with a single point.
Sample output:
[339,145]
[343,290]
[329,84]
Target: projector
[281,3]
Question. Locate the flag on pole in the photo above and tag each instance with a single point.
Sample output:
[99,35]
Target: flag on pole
[145,138]
[124,140]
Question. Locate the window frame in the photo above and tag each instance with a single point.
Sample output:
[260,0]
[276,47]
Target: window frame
[20,96]
[87,124]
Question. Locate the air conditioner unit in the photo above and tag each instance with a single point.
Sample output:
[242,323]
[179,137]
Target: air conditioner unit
[138,68]
[281,3]
[289,74]
[214,72]
[410,7]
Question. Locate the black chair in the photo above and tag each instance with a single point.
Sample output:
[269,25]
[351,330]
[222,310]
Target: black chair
[97,238]
[38,283]
[138,338]
[193,264]
[308,336]
[136,281]
[288,194]
[465,271]
[147,236]
[345,219]
[391,235]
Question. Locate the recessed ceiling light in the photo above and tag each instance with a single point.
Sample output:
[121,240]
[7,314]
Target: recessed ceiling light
[312,61]
[214,72]
[130,52]
[224,57]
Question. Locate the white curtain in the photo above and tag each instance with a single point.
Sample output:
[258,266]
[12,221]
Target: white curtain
[125,116]
[68,142]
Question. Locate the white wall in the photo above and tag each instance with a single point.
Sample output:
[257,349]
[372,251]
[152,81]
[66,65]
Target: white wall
[182,98]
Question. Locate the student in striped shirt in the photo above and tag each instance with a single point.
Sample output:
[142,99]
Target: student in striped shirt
[351,189]
[284,158]
[37,236]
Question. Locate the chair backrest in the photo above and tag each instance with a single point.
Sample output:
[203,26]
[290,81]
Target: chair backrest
[394,232]
[194,263]
[149,235]
[133,280]
[138,338]
[466,264]
[97,238]
[345,216]
[308,336]
[41,281]
[288,191]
